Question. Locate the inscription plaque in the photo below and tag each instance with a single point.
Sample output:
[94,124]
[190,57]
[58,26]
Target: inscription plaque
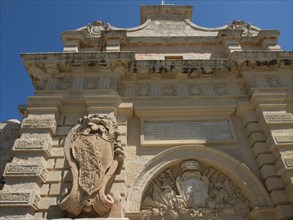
[187,130]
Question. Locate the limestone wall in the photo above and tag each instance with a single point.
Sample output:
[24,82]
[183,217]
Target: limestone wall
[9,132]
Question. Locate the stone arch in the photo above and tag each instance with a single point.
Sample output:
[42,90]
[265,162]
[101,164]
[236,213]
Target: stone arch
[233,168]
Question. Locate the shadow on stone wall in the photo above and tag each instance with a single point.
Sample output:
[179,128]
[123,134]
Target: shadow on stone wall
[9,132]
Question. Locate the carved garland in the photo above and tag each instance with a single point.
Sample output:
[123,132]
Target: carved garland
[94,153]
[191,193]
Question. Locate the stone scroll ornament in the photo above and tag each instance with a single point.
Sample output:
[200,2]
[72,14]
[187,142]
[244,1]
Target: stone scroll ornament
[185,192]
[94,153]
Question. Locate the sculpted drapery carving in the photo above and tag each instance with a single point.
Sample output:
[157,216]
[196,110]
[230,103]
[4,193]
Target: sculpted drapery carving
[94,153]
[195,193]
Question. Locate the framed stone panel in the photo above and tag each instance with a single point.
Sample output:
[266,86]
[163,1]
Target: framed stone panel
[158,132]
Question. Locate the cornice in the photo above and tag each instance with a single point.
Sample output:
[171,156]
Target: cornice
[73,68]
[262,55]
[59,56]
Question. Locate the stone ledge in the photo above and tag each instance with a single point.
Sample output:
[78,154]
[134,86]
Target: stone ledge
[30,146]
[26,171]
[19,199]
[39,124]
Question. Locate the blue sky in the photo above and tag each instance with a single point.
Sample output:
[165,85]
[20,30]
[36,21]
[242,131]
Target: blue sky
[36,26]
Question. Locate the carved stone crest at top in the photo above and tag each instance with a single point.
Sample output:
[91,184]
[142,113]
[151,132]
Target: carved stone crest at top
[191,192]
[96,27]
[94,153]
[246,28]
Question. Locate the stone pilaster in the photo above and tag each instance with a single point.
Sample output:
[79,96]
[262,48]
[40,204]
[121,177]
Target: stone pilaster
[124,113]
[27,172]
[275,123]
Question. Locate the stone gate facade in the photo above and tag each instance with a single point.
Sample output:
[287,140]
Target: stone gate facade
[167,120]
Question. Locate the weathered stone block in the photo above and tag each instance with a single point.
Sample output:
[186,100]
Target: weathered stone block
[119,187]
[50,164]
[45,189]
[16,212]
[55,189]
[248,117]
[264,159]
[284,212]
[26,171]
[55,141]
[287,176]
[57,152]
[61,163]
[63,131]
[256,137]
[54,176]
[9,132]
[71,120]
[123,139]
[268,171]
[278,117]
[280,138]
[284,139]
[289,192]
[251,127]
[123,130]
[259,148]
[279,197]
[31,146]
[263,213]
[19,199]
[274,183]
[37,215]
[39,123]
[45,203]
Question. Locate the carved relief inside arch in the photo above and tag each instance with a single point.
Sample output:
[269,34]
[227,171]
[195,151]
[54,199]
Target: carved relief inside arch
[191,191]
[94,153]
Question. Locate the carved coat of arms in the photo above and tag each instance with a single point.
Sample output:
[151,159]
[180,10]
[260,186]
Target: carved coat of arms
[192,186]
[193,195]
[95,156]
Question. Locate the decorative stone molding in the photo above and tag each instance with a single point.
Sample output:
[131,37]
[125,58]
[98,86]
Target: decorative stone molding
[95,155]
[35,123]
[19,199]
[94,29]
[194,192]
[246,28]
[283,139]
[65,84]
[45,122]
[9,132]
[186,88]
[221,89]
[273,81]
[91,83]
[25,171]
[289,162]
[33,144]
[278,117]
